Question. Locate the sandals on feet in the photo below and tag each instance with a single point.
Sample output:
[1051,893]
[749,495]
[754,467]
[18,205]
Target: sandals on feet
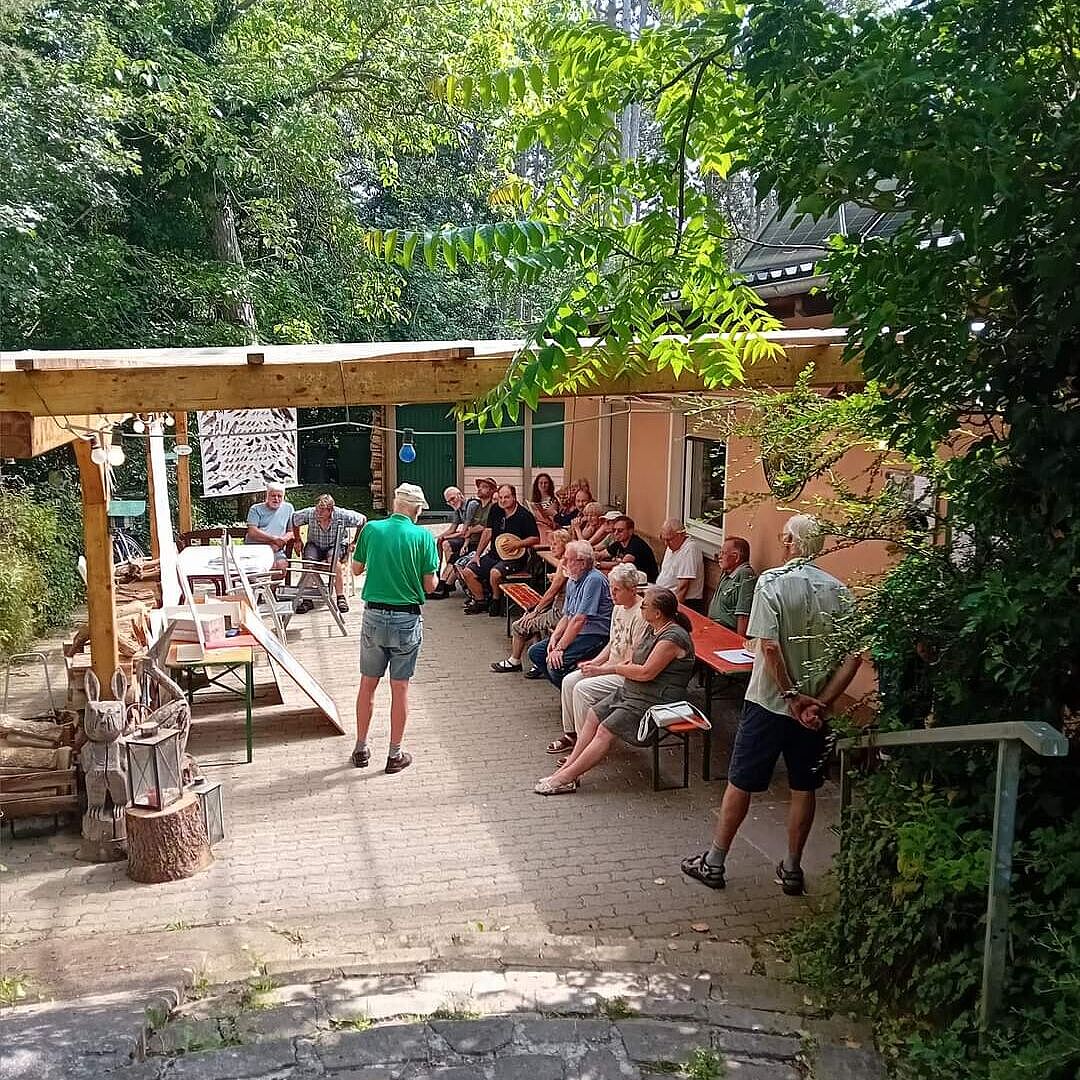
[546,787]
[505,665]
[699,868]
[342,604]
[562,744]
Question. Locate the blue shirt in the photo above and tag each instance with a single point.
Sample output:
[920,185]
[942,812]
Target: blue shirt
[591,597]
[274,522]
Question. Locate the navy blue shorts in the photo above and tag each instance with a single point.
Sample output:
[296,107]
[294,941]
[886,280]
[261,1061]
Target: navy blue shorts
[762,737]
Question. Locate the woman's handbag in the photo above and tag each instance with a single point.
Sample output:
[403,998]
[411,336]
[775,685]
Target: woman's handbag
[671,712]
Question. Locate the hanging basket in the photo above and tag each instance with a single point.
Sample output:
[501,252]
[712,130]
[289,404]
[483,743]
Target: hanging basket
[786,474]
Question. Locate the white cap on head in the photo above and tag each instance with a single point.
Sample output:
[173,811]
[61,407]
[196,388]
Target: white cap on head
[411,493]
[613,515]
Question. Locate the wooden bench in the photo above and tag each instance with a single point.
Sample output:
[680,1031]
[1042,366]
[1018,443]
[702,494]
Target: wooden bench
[518,595]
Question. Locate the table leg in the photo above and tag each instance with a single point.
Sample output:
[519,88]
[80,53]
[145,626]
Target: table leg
[249,695]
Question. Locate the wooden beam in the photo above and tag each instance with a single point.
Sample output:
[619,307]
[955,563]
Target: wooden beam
[100,591]
[24,435]
[183,475]
[206,382]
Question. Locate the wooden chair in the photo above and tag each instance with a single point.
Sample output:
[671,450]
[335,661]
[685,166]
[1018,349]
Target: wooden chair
[319,577]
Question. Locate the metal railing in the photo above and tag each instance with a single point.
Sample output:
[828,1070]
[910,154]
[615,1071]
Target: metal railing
[1041,739]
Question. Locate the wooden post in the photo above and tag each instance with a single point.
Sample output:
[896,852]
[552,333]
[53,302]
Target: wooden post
[183,475]
[151,499]
[100,591]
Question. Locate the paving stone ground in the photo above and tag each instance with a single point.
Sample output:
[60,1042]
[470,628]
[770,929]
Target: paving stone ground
[320,856]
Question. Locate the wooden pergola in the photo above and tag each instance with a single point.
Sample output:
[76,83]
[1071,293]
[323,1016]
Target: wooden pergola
[48,399]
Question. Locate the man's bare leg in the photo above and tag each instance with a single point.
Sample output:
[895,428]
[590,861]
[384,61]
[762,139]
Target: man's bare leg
[399,709]
[365,700]
[801,811]
[472,583]
[733,810]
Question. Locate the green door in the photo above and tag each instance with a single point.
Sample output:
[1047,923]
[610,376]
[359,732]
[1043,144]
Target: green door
[435,467]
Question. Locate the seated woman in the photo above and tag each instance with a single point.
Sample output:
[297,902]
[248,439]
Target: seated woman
[543,503]
[590,524]
[542,619]
[572,507]
[660,672]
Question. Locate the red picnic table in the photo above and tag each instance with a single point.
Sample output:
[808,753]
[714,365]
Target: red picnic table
[710,638]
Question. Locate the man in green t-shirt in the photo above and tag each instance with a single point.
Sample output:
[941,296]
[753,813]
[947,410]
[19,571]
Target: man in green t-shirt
[730,605]
[400,563]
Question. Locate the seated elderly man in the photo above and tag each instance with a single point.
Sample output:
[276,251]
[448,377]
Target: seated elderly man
[586,620]
[327,541]
[454,539]
[270,522]
[627,547]
[581,689]
[730,604]
[683,568]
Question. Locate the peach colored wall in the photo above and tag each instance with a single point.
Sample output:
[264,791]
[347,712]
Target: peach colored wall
[582,440]
[647,492]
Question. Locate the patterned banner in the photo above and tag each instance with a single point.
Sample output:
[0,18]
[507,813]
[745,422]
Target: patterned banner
[244,449]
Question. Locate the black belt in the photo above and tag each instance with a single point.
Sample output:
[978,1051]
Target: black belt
[411,609]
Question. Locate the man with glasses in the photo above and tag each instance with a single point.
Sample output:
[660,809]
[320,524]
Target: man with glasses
[627,547]
[683,568]
[734,595]
[583,630]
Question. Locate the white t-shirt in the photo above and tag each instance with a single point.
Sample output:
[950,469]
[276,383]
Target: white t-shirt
[628,627]
[687,562]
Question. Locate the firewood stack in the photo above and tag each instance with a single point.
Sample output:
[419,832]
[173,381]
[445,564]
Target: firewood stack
[139,580]
[37,776]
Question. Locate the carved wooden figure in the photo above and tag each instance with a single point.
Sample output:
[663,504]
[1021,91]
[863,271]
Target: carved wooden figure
[104,765]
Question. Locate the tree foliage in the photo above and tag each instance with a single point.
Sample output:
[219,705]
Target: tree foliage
[961,116]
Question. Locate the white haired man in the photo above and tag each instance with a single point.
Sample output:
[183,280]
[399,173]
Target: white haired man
[595,679]
[585,625]
[400,560]
[453,539]
[683,567]
[327,541]
[790,693]
[270,522]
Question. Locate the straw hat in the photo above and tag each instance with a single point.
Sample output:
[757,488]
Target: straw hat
[509,546]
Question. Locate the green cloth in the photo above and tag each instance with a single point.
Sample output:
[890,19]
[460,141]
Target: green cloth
[795,604]
[396,554]
[734,595]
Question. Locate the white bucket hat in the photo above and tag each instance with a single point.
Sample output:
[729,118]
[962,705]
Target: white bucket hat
[411,493]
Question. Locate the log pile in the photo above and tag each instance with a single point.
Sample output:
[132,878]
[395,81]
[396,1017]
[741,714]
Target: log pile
[140,580]
[36,780]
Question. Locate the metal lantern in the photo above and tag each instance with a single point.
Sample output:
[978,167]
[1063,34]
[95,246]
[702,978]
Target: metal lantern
[154,768]
[213,809]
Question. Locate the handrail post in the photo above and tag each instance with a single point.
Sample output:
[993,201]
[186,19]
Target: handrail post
[997,898]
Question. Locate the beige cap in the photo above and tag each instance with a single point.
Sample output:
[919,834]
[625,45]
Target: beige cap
[613,515]
[411,493]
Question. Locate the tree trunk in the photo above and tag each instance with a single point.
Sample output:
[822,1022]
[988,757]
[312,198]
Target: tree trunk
[169,844]
[226,244]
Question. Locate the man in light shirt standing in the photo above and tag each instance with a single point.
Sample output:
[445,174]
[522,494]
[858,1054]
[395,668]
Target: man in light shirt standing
[683,568]
[787,702]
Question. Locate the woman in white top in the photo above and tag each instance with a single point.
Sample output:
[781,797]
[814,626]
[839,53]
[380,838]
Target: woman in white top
[590,682]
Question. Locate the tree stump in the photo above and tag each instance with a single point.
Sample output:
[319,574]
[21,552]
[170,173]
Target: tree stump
[169,844]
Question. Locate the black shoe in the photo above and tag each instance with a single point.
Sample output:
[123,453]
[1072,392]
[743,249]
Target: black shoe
[536,673]
[700,869]
[791,881]
[439,594]
[396,764]
[361,758]
[302,607]
[476,607]
[495,609]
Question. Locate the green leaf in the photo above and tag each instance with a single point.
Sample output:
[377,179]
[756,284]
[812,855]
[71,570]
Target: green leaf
[536,79]
[431,245]
[409,248]
[390,244]
[502,87]
[518,80]
[449,252]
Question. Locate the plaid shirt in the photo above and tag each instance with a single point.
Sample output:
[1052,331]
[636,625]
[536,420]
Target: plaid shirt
[337,530]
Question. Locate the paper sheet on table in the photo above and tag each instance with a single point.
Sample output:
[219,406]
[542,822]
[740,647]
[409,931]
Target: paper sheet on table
[736,656]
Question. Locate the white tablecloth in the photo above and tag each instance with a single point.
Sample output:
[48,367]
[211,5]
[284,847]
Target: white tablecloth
[205,560]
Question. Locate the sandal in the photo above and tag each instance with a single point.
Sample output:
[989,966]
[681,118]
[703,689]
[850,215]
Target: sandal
[562,744]
[342,604]
[505,665]
[546,787]
[700,869]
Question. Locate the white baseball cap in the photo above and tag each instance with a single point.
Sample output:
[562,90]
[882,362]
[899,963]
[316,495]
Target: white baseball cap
[613,515]
[411,493]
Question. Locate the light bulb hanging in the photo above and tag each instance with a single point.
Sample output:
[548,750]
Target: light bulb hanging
[407,453]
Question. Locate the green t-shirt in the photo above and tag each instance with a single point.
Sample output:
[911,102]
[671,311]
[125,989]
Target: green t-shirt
[734,596]
[396,554]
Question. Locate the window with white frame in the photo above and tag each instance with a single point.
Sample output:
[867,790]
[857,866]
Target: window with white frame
[704,476]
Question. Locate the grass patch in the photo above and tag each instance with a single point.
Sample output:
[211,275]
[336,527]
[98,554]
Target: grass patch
[13,989]
[617,1008]
[446,1012]
[704,1065]
[352,1023]
[259,983]
[178,925]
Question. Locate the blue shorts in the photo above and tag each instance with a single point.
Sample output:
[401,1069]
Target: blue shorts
[390,639]
[762,737]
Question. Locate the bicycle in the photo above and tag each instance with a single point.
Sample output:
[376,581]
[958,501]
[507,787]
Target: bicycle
[125,548]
